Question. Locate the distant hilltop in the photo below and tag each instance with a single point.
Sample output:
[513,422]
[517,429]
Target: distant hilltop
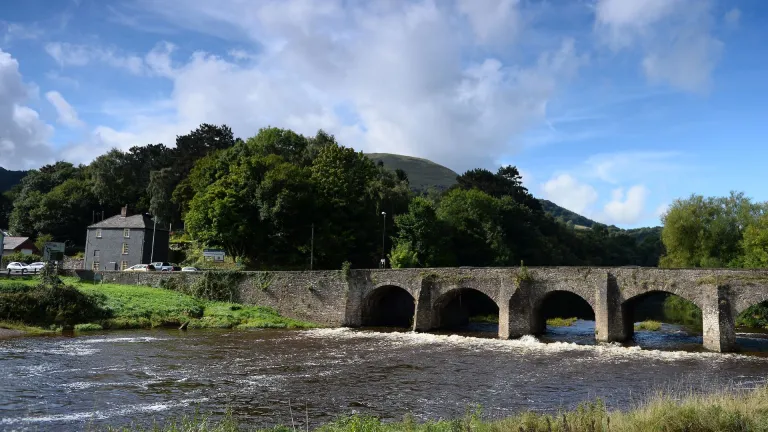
[423,174]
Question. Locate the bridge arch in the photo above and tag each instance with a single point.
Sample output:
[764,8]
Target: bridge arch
[388,305]
[560,303]
[454,307]
[650,304]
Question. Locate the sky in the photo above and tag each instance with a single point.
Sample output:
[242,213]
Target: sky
[610,108]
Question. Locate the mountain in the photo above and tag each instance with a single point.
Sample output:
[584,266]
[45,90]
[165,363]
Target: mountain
[422,173]
[9,179]
[567,215]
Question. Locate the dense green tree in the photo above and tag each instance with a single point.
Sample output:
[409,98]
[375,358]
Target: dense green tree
[506,182]
[422,239]
[755,243]
[706,232]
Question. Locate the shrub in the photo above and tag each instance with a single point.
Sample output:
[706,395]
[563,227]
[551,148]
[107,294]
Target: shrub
[45,305]
[561,322]
[212,285]
[20,257]
[88,327]
[648,325]
[346,270]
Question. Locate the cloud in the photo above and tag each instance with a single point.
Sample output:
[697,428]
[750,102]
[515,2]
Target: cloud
[382,76]
[493,21]
[673,35]
[23,137]
[67,54]
[633,165]
[566,191]
[732,18]
[67,114]
[16,31]
[626,208]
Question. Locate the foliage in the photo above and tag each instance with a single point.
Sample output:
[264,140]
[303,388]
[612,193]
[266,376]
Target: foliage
[561,322]
[212,285]
[44,305]
[678,310]
[648,325]
[755,316]
[722,411]
[346,270]
[565,215]
[88,327]
[41,240]
[755,243]
[20,257]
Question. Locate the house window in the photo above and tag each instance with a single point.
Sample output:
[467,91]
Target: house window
[127,233]
[125,248]
[123,265]
[96,253]
[95,266]
[98,233]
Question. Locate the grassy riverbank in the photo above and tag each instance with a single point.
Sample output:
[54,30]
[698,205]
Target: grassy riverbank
[724,411]
[648,325]
[111,306]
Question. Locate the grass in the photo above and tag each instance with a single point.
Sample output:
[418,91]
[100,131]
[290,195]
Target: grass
[561,322]
[30,330]
[648,325]
[132,307]
[489,319]
[723,411]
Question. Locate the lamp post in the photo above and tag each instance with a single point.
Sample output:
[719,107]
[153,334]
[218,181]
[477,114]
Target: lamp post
[383,237]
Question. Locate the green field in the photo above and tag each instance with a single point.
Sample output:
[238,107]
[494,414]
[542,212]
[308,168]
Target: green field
[129,306]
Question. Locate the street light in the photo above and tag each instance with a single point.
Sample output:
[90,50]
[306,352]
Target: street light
[383,263]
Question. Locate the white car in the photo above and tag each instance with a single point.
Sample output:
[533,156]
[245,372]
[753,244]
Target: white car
[36,267]
[141,268]
[162,266]
[17,267]
[190,269]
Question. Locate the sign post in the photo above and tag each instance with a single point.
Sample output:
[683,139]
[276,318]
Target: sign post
[217,255]
[53,251]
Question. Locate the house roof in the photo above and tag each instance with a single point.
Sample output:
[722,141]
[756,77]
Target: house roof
[140,221]
[10,243]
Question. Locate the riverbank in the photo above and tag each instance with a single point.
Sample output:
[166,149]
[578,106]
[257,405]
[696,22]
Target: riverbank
[111,306]
[725,411]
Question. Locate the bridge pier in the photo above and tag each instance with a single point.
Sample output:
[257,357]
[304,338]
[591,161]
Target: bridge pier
[422,319]
[719,326]
[516,316]
[609,316]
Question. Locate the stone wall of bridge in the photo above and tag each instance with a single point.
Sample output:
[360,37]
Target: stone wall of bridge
[334,299]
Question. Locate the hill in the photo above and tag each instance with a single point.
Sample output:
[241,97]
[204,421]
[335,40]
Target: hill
[422,173]
[9,179]
[567,215]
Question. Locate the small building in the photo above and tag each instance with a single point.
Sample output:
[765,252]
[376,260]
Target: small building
[24,245]
[125,240]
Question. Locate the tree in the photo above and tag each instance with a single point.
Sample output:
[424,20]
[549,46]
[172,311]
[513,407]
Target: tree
[755,243]
[160,190]
[506,182]
[422,239]
[706,232]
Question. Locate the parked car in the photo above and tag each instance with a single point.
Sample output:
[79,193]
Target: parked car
[36,267]
[141,268]
[162,266]
[190,269]
[176,267]
[17,267]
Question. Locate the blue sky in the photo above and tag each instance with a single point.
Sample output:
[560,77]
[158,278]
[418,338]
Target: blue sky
[611,108]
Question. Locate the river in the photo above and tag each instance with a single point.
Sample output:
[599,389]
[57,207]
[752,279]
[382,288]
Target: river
[116,378]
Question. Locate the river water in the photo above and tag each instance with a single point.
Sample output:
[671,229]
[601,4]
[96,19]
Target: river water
[119,378]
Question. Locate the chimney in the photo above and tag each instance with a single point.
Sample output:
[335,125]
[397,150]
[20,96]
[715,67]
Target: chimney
[124,211]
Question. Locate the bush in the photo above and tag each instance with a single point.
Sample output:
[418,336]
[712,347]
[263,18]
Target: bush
[88,327]
[20,257]
[648,325]
[678,310]
[754,317]
[60,305]
[213,286]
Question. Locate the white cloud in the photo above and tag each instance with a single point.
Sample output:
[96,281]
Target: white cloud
[566,191]
[626,208]
[67,54]
[674,36]
[493,21]
[17,31]
[661,209]
[23,136]
[399,70]
[733,17]
[633,165]
[67,114]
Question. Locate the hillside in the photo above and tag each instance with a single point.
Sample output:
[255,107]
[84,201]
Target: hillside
[9,179]
[422,173]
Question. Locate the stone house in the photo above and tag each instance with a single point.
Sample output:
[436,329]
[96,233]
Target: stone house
[125,240]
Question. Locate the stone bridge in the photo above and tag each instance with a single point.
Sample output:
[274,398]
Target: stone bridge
[425,299]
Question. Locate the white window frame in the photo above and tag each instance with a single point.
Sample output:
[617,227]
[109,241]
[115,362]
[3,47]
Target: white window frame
[98,232]
[125,250]
[126,233]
